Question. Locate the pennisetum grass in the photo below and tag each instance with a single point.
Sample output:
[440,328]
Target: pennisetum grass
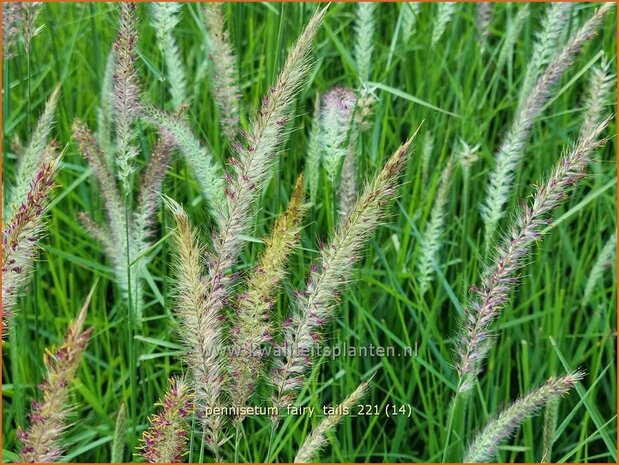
[21,234]
[205,167]
[224,77]
[483,20]
[484,446]
[203,288]
[164,18]
[313,158]
[165,441]
[22,212]
[550,424]
[431,239]
[12,17]
[253,328]
[546,45]
[33,157]
[126,93]
[498,281]
[348,187]
[318,437]
[315,306]
[337,109]
[444,14]
[510,152]
[365,24]
[42,441]
[120,430]
[605,260]
[601,83]
[410,12]
[511,36]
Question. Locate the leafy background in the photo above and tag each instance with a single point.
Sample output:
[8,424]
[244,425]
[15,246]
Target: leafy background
[544,331]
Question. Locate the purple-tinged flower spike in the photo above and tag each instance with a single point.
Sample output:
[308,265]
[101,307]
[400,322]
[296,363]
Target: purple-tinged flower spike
[225,75]
[12,18]
[484,446]
[498,281]
[318,437]
[202,298]
[34,156]
[151,184]
[42,441]
[29,28]
[198,308]
[253,328]
[510,152]
[255,159]
[338,105]
[205,167]
[165,441]
[114,206]
[21,234]
[126,92]
[315,306]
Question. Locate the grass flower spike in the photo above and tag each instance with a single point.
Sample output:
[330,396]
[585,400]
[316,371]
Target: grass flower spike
[33,158]
[348,189]
[202,298]
[165,441]
[313,158]
[165,17]
[365,24]
[512,148]
[314,306]
[410,11]
[42,441]
[225,75]
[338,105]
[547,44]
[498,281]
[604,261]
[483,19]
[444,14]
[200,323]
[126,93]
[318,437]
[205,167]
[431,241]
[601,82]
[484,446]
[253,329]
[20,236]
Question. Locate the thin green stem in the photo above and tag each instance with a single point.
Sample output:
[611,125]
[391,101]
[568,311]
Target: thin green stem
[450,421]
[131,344]
[272,437]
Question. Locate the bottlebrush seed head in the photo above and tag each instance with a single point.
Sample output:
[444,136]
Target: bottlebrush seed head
[42,441]
[338,105]
[165,441]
